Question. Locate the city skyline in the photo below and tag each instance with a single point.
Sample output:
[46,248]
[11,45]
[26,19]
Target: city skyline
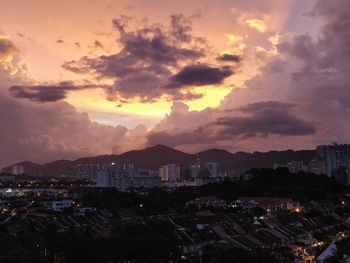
[107,77]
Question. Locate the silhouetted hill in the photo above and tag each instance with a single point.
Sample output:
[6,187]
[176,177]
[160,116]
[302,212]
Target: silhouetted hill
[156,156]
[242,161]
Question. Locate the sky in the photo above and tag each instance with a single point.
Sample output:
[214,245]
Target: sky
[83,78]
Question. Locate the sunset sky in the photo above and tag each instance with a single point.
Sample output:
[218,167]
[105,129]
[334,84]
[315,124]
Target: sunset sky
[89,77]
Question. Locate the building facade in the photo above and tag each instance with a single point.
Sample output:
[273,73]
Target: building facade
[170,172]
[87,171]
[335,157]
[17,169]
[124,177]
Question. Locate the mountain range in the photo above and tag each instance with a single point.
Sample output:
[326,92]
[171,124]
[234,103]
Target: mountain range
[156,156]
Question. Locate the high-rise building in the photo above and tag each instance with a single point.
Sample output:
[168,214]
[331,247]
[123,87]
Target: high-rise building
[170,172]
[87,171]
[115,175]
[17,169]
[335,157]
[317,165]
[213,169]
[186,172]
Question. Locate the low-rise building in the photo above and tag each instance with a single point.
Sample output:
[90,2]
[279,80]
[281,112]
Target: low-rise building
[58,205]
[293,166]
[270,204]
[207,201]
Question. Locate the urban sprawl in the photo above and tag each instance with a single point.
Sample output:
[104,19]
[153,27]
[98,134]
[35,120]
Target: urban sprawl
[292,212]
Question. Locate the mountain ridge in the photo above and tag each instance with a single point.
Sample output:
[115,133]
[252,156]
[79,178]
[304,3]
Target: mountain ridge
[155,156]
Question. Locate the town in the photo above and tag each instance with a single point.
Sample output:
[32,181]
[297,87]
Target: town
[290,212]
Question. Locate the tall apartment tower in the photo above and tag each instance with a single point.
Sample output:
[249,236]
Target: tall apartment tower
[170,172]
[335,156]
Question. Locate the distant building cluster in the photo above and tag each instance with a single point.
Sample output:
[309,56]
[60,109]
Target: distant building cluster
[87,171]
[331,160]
[126,176]
[336,156]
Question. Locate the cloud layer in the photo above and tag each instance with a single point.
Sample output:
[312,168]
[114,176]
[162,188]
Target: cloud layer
[154,61]
[299,98]
[48,131]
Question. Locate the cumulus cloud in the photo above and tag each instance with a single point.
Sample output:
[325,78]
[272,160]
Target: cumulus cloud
[298,100]
[149,58]
[45,132]
[263,119]
[7,48]
[12,64]
[50,131]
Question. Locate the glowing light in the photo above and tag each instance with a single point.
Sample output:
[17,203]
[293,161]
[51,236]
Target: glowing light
[233,38]
[95,101]
[260,49]
[242,46]
[212,97]
[274,40]
[257,24]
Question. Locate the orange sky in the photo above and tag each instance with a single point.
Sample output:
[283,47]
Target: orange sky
[49,33]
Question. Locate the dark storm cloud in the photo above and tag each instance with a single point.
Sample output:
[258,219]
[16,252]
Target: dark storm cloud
[199,75]
[264,122]
[149,55]
[261,119]
[229,58]
[46,93]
